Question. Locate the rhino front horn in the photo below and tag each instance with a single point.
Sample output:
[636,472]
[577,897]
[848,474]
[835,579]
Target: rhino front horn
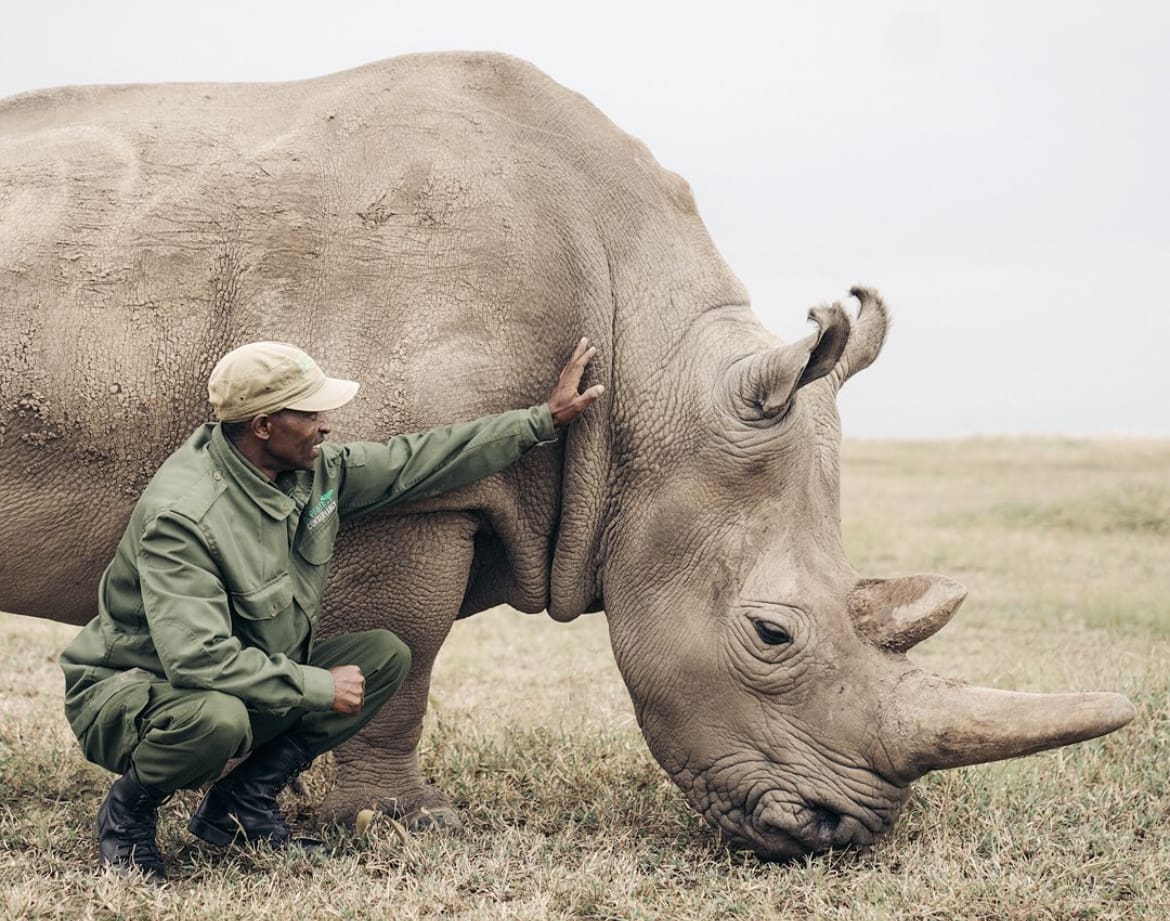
[943,724]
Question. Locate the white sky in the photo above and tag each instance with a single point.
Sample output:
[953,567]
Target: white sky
[999,170]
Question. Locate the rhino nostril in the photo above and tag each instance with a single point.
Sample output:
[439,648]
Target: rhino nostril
[821,826]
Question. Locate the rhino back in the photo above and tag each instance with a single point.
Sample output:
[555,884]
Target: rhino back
[430,222]
[441,227]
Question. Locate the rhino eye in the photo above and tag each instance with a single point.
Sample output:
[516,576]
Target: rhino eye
[772,634]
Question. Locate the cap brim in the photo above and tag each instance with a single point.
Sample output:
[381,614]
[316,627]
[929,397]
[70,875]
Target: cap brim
[334,394]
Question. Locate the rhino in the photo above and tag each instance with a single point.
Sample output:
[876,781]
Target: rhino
[443,227]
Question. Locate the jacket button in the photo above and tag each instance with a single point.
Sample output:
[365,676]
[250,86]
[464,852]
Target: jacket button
[216,475]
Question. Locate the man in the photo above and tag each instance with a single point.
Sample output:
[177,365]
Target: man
[203,647]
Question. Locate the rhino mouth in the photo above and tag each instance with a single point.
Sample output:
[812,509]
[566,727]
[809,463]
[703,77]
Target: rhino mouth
[811,828]
[781,823]
[781,830]
[770,839]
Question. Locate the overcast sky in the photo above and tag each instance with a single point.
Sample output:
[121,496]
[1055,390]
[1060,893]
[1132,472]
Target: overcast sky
[1000,171]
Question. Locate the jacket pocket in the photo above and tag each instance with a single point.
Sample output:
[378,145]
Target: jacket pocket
[265,616]
[266,601]
[316,544]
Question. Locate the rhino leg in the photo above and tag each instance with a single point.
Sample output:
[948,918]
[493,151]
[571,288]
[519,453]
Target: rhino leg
[407,575]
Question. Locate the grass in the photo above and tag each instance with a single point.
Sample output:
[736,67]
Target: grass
[1064,547]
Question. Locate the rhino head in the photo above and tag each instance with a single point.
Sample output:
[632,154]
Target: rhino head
[770,680]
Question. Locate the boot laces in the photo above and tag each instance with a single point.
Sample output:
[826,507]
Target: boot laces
[140,837]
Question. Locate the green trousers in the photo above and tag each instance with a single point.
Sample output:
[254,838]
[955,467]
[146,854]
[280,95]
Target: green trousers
[182,737]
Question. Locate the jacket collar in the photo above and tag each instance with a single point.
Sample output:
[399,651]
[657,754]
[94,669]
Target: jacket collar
[247,477]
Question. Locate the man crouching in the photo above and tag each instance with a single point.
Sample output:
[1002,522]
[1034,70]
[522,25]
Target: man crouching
[203,647]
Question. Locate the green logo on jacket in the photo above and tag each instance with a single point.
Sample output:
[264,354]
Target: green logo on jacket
[321,511]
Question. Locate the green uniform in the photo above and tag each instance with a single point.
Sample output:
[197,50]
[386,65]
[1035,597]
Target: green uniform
[208,610]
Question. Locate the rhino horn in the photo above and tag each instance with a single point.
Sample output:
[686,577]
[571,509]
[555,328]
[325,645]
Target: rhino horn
[867,336]
[897,614]
[763,385]
[935,723]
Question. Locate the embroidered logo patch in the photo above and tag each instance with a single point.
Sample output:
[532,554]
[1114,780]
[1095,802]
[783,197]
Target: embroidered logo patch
[320,512]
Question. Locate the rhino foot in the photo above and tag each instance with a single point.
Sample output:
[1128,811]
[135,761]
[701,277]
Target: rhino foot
[428,818]
[422,810]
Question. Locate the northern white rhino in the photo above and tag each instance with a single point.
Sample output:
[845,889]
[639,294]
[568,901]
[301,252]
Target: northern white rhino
[443,228]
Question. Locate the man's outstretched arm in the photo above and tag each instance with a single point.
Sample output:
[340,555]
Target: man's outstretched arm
[416,466]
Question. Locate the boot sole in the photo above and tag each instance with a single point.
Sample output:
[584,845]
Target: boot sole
[213,834]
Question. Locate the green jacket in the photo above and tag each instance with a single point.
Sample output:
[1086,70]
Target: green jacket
[217,581]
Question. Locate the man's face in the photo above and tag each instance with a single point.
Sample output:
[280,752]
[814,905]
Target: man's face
[294,438]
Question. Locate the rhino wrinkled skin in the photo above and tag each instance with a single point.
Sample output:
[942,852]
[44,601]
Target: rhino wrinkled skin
[443,228]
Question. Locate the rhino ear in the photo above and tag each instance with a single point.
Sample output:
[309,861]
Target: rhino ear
[897,614]
[762,387]
[867,335]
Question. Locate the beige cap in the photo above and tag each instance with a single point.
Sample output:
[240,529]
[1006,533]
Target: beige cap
[264,377]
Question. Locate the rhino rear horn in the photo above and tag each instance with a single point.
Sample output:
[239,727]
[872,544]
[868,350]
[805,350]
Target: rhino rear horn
[763,385]
[897,614]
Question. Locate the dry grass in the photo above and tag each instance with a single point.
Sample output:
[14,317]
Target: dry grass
[1066,550]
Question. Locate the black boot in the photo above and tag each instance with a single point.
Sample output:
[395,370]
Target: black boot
[126,825]
[242,806]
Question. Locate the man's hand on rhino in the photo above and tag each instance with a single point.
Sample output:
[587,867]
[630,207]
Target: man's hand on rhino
[565,403]
[349,688]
